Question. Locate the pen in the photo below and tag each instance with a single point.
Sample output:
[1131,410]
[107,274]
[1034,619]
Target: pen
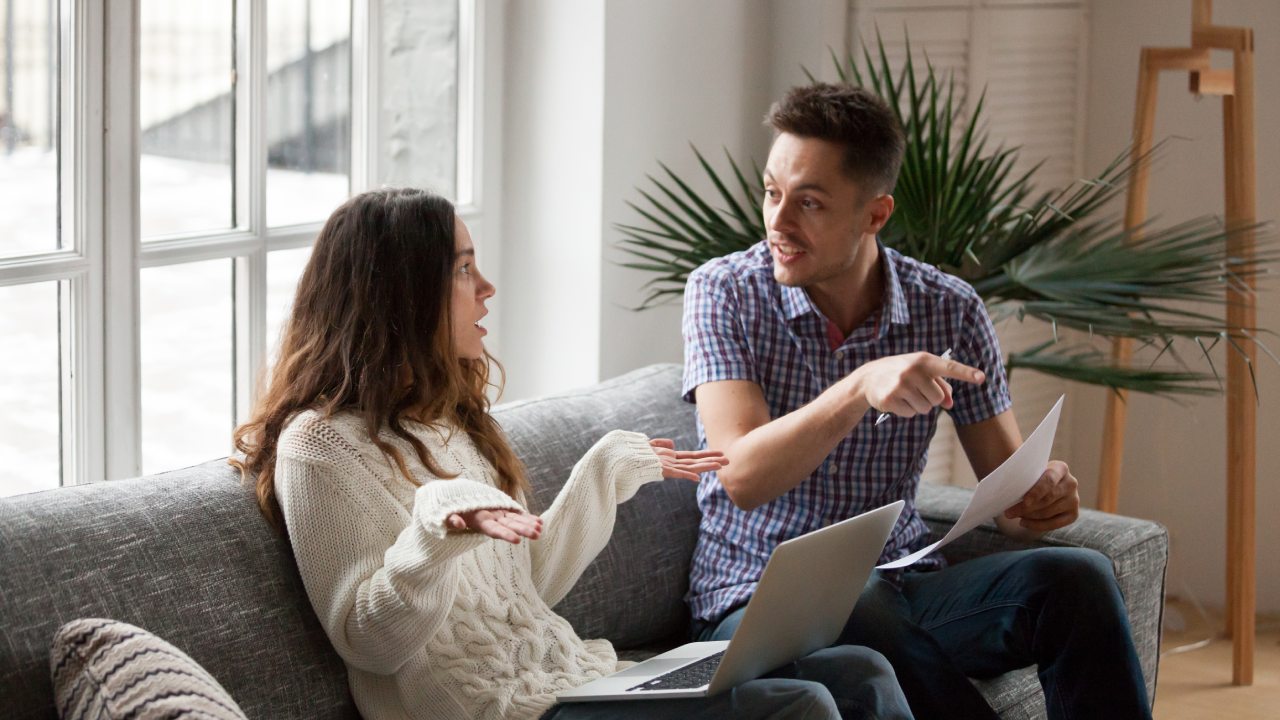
[885,416]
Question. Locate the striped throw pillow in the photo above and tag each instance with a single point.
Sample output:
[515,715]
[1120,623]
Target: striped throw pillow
[107,669]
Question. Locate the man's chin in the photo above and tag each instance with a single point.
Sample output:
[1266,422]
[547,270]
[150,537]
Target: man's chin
[789,277]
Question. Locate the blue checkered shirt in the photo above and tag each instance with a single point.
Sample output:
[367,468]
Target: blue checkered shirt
[741,324]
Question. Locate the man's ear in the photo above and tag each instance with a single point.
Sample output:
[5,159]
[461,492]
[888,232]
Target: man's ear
[880,208]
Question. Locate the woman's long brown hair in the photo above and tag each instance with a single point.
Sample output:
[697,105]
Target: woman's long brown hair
[371,334]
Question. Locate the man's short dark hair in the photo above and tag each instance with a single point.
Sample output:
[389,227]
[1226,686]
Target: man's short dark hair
[853,117]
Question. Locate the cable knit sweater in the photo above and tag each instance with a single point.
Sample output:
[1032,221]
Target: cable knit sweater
[434,623]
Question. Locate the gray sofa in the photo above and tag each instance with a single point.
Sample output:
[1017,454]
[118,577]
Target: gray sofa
[186,555]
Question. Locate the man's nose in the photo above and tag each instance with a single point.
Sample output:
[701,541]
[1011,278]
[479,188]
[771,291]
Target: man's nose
[781,220]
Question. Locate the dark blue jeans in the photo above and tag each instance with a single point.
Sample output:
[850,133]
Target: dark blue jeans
[1056,608]
[837,683]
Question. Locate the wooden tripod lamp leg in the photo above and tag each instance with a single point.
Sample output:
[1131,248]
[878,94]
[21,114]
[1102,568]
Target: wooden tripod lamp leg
[1242,408]
[1144,120]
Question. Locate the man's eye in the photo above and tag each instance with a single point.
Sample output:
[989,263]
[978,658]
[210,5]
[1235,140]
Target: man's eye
[810,204]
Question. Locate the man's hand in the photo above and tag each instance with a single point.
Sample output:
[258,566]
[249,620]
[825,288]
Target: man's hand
[509,525]
[1052,503]
[912,384]
[686,464]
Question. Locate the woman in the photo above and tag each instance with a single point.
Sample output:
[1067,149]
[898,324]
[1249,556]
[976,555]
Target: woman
[405,506]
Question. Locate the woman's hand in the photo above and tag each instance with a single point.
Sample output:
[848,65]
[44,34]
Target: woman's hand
[687,465]
[508,525]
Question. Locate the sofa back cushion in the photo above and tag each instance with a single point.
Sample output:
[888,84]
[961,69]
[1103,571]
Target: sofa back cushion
[632,593]
[185,555]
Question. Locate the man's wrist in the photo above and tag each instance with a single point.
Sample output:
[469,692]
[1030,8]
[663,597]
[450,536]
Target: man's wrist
[854,392]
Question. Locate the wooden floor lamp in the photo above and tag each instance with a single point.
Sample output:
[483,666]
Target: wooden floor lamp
[1237,91]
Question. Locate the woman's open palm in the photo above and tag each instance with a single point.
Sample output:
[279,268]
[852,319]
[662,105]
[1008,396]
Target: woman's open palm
[686,464]
[509,525]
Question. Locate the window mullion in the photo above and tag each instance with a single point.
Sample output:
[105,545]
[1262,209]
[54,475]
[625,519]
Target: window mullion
[366,18]
[251,305]
[122,416]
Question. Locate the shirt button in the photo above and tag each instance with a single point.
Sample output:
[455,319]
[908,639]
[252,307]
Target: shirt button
[839,354]
[833,466]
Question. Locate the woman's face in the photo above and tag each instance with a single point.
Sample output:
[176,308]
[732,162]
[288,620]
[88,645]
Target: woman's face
[470,291]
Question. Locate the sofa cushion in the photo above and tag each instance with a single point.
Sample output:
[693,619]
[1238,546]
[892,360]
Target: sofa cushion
[103,669]
[633,592]
[186,555]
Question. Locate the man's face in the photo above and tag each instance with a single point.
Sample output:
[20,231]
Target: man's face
[815,214]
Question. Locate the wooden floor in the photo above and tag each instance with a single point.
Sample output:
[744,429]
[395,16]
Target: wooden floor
[1197,683]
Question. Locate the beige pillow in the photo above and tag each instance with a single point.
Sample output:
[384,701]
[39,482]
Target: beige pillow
[107,669]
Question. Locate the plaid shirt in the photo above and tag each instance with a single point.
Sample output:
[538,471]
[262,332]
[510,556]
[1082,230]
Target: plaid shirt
[740,324]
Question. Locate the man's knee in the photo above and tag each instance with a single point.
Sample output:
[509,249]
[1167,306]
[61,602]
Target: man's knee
[1078,569]
[785,699]
[858,662]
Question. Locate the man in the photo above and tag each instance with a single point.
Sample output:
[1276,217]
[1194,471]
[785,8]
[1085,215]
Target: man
[792,350]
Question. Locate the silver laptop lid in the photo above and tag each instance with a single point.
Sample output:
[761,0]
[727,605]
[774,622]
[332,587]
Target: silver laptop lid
[805,596]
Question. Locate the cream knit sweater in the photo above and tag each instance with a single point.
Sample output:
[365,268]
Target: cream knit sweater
[434,623]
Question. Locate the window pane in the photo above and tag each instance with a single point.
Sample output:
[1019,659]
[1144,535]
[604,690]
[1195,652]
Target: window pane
[186,102]
[284,270]
[29,127]
[29,398]
[418,113]
[308,109]
[187,364]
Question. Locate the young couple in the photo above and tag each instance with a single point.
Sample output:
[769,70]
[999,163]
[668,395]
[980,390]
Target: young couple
[407,513]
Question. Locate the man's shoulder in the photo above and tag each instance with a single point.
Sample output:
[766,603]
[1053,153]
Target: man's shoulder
[739,269]
[922,280]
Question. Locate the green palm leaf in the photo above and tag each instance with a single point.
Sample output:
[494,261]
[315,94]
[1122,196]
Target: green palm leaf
[961,207]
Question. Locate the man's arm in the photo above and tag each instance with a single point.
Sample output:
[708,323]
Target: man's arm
[768,459]
[1053,502]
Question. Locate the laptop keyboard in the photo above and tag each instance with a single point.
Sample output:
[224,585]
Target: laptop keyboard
[685,678]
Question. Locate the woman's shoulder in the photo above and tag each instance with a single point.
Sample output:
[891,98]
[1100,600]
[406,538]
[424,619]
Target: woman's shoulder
[313,435]
[341,438]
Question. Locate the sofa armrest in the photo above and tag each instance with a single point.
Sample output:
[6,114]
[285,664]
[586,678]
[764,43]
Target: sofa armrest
[1138,550]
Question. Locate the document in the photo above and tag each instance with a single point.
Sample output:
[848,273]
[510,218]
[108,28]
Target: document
[1003,488]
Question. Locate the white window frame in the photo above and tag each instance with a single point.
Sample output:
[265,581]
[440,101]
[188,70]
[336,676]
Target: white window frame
[100,140]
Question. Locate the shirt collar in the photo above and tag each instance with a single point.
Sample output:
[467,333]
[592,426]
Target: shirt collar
[795,301]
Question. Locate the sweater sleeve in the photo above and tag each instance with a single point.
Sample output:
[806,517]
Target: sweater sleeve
[381,581]
[579,523]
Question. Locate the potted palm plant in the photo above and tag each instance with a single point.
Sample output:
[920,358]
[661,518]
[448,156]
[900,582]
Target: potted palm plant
[1049,257]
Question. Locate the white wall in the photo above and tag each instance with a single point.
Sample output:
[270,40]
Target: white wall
[597,93]
[676,73]
[1175,459]
[552,145]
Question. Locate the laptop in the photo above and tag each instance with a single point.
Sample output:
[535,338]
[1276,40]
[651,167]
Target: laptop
[801,605]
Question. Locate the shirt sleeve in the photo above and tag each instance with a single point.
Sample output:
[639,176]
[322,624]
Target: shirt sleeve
[715,339]
[579,523]
[979,348]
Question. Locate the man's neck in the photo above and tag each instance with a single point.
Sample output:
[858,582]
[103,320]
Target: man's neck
[849,298]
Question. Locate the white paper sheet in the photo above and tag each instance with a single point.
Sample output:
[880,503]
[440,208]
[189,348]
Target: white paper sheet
[1003,488]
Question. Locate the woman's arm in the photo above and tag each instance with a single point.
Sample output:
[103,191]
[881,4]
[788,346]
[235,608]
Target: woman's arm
[578,524]
[381,580]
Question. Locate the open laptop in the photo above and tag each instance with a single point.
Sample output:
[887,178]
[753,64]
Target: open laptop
[801,605]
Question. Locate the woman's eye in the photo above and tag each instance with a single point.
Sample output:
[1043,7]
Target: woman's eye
[466,269]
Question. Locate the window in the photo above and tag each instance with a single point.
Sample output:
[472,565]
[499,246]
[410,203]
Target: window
[145,277]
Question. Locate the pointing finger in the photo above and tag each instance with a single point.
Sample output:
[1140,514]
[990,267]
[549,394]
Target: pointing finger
[938,367]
